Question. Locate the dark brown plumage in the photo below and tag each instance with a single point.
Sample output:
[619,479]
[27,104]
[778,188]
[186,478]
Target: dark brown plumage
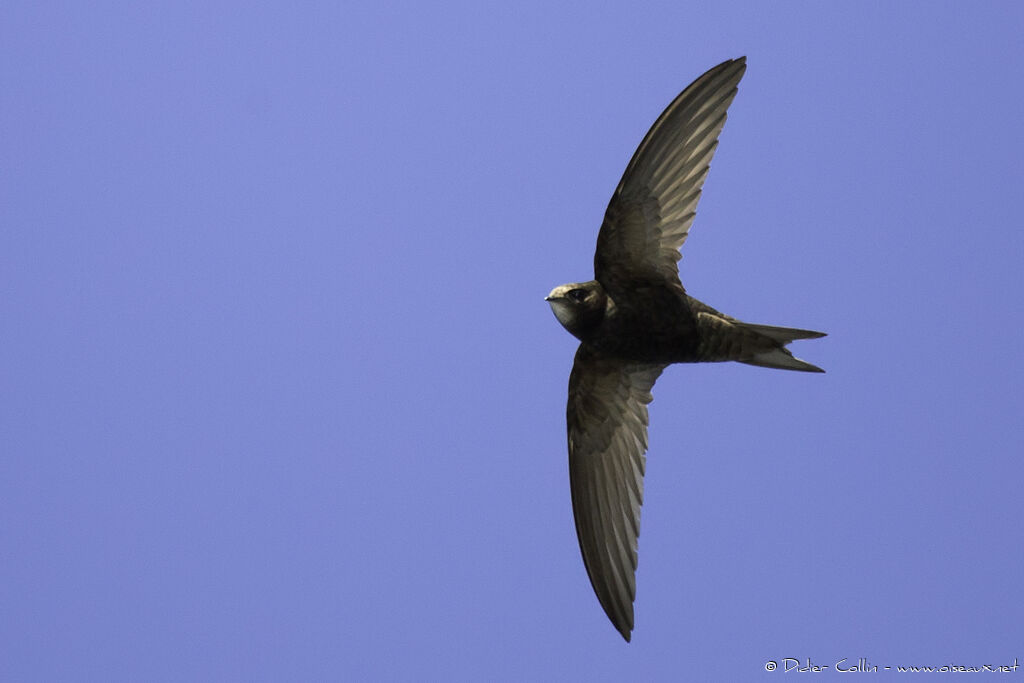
[634,319]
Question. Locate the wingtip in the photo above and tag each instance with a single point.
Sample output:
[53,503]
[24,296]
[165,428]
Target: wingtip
[740,62]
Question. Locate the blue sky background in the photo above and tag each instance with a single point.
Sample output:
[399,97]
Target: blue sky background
[280,398]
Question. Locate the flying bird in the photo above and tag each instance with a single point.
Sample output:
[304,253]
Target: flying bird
[634,319]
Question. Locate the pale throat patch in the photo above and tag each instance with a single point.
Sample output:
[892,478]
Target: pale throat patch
[563,311]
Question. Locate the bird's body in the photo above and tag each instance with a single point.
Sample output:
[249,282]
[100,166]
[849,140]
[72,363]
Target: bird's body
[634,319]
[665,325]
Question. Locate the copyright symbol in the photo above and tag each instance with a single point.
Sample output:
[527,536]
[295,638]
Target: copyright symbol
[770,666]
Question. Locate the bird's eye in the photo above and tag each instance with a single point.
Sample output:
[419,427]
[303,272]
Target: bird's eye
[578,295]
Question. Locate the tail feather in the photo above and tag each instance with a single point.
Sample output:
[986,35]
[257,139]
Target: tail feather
[726,338]
[780,357]
[783,335]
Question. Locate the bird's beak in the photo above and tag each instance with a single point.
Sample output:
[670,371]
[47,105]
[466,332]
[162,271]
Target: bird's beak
[547,298]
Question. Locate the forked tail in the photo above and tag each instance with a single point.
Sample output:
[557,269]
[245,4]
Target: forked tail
[778,356]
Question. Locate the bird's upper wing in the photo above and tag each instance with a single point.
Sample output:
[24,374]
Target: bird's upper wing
[607,425]
[650,213]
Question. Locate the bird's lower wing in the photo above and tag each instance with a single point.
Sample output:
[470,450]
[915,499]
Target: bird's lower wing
[607,427]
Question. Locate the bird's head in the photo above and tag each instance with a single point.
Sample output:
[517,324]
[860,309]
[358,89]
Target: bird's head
[579,306]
